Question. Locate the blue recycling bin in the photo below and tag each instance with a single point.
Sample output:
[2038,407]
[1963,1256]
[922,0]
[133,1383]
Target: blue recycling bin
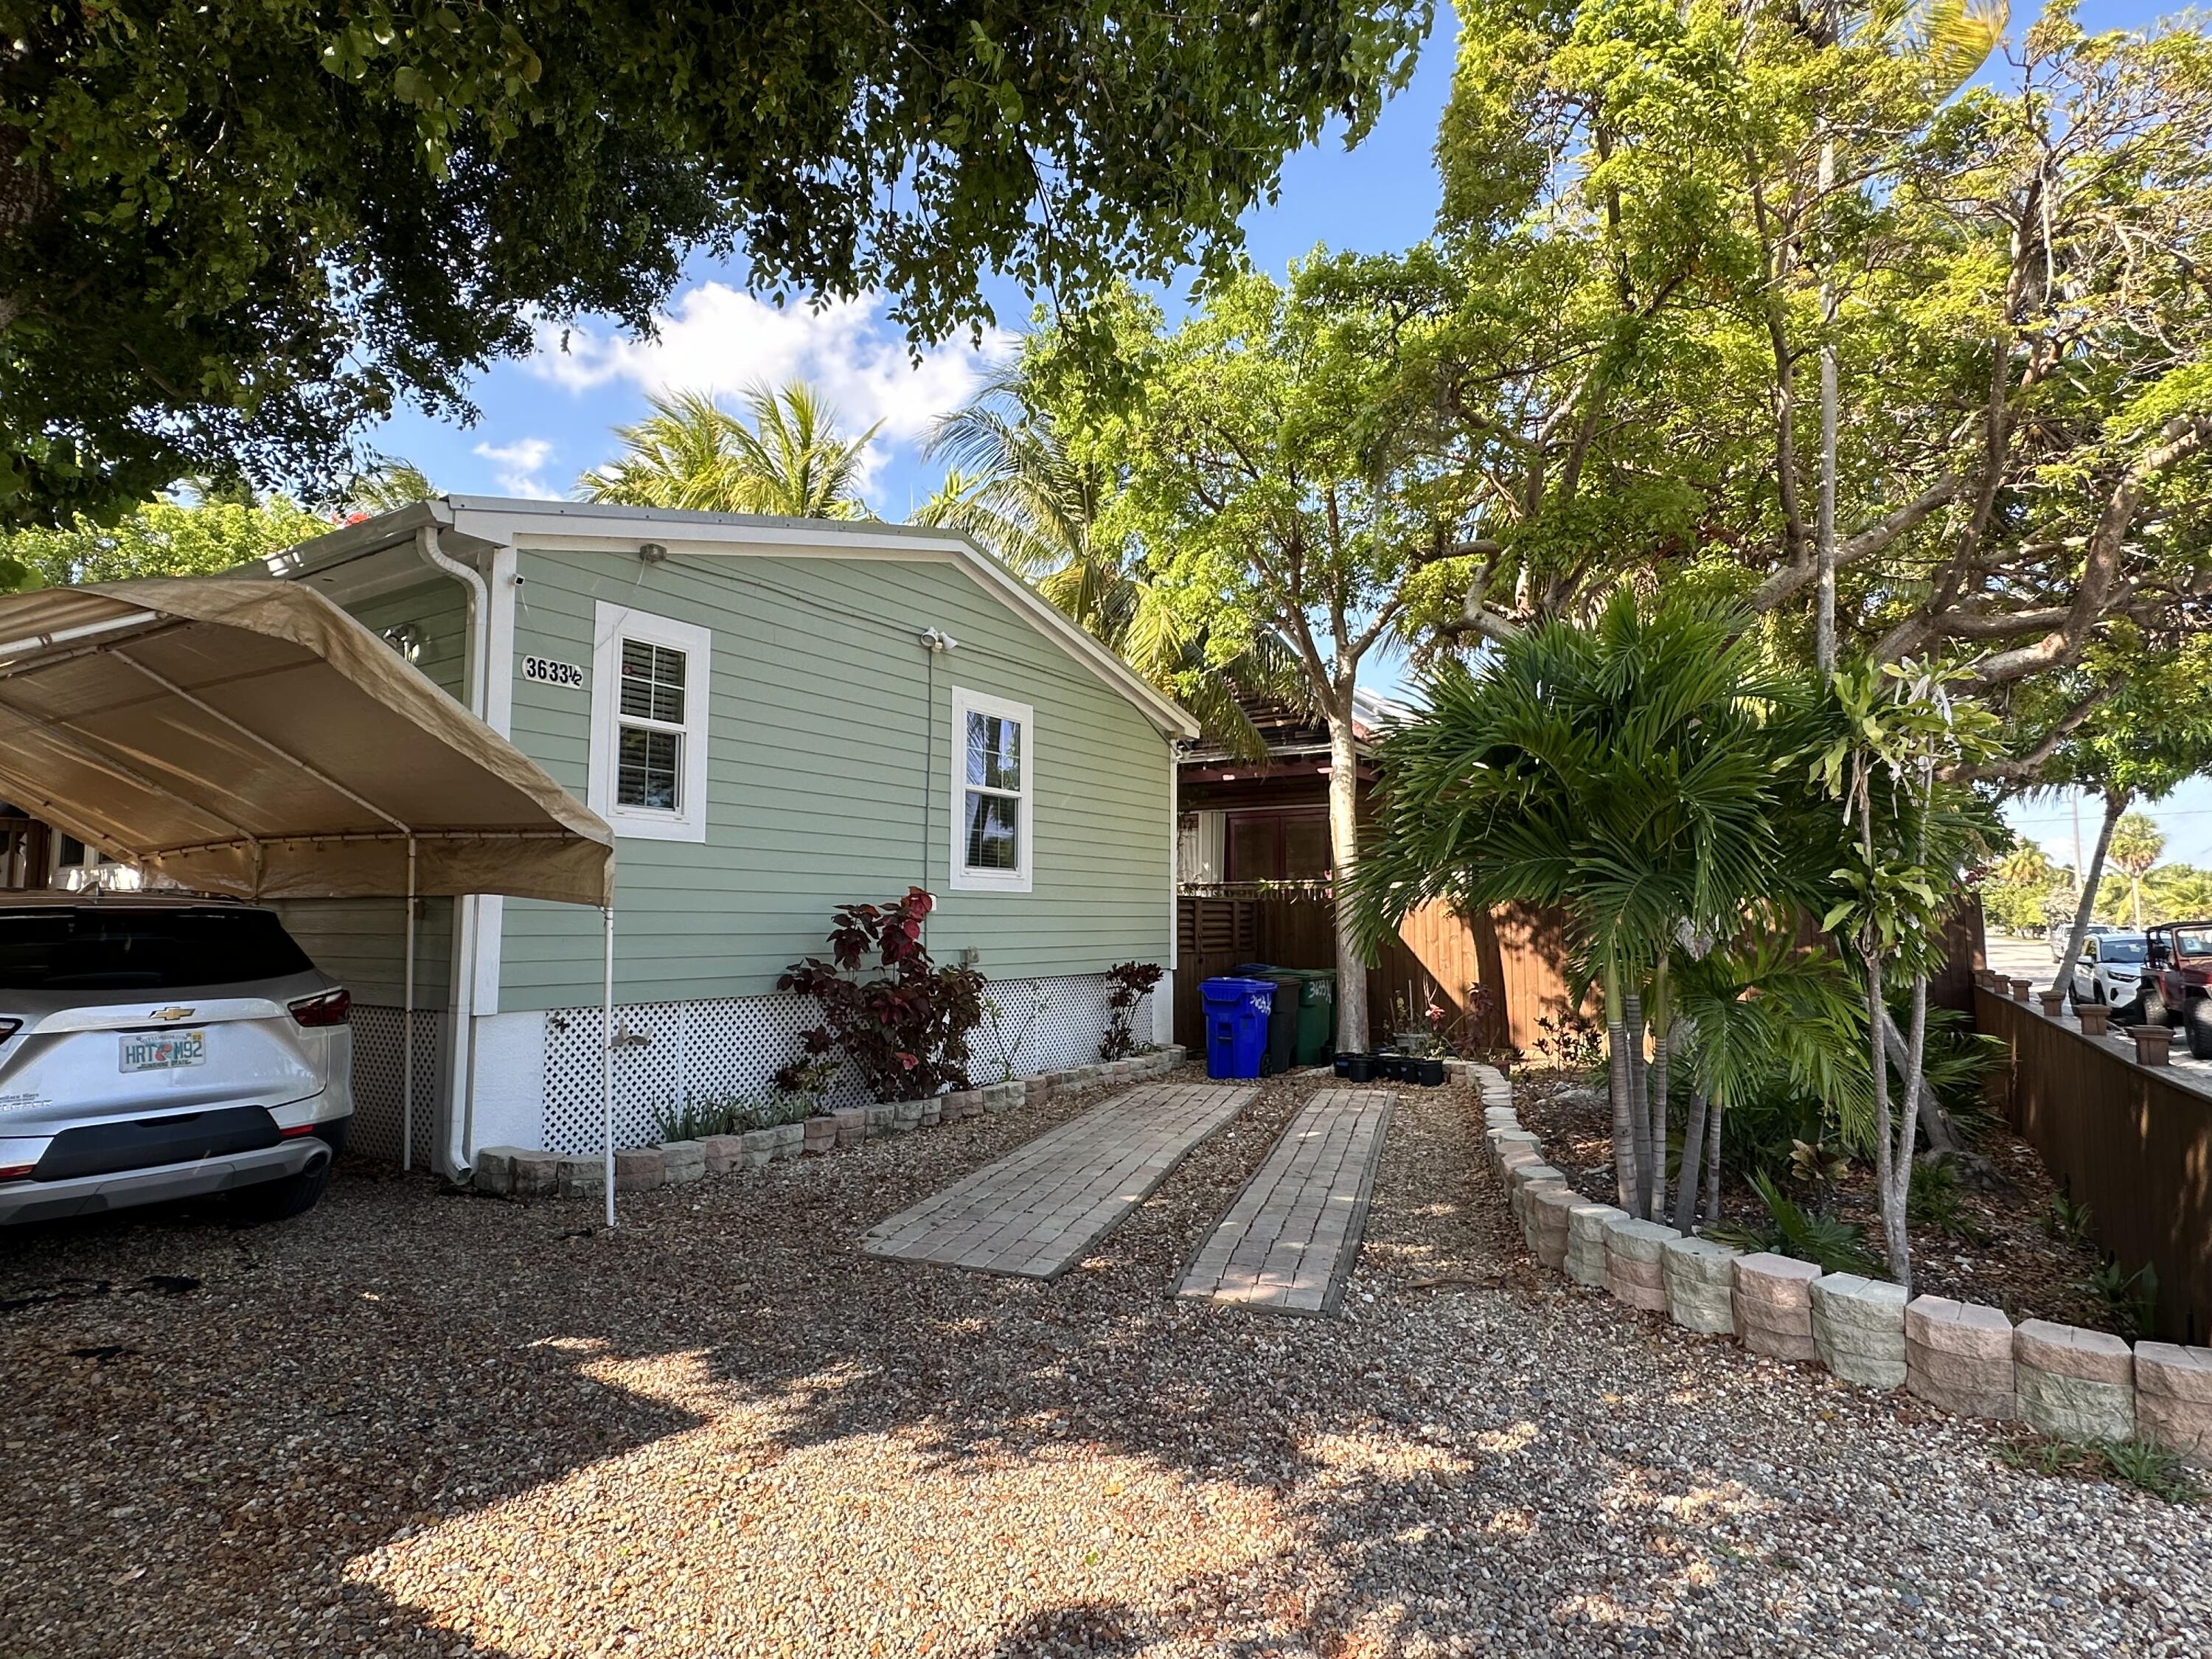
[1235,1025]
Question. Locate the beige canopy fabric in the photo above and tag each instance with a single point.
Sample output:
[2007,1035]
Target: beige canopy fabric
[249,737]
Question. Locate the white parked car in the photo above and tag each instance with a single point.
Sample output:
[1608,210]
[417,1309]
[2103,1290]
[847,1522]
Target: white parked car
[2111,969]
[2059,936]
[155,1048]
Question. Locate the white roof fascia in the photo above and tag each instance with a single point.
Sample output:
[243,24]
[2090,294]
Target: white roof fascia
[594,526]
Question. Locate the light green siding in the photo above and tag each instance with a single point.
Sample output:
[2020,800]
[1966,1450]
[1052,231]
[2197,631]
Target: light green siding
[363,941]
[829,744]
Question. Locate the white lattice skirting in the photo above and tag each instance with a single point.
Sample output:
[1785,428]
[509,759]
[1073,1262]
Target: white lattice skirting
[378,1100]
[734,1045]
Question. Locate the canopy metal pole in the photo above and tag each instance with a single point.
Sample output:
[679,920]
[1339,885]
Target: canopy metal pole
[407,1029]
[607,1062]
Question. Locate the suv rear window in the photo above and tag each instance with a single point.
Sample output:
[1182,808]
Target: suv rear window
[113,947]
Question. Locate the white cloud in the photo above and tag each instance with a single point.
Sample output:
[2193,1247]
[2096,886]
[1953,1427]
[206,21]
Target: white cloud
[719,340]
[518,465]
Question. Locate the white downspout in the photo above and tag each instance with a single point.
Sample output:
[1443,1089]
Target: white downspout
[460,1119]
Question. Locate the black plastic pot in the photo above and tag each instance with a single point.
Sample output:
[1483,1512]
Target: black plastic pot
[1390,1067]
[1428,1072]
[1356,1068]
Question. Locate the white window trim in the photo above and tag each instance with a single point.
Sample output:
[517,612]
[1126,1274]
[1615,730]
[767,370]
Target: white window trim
[611,625]
[960,878]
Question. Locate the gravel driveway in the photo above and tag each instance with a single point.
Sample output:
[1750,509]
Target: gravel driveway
[413,1423]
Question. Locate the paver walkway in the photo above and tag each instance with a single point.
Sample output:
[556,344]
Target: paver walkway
[1035,1212]
[1288,1240]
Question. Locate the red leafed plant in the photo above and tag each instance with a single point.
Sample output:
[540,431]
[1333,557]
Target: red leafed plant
[906,1024]
[1126,985]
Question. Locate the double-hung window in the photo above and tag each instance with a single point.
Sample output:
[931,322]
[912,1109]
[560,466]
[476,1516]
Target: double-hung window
[649,688]
[994,787]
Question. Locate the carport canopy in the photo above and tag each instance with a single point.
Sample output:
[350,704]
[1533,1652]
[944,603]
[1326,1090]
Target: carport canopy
[249,737]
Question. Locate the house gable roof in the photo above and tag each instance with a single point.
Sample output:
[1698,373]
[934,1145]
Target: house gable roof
[472,522]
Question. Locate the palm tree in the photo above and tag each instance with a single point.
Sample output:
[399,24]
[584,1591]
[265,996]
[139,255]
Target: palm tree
[1017,491]
[1637,773]
[2136,843]
[691,454]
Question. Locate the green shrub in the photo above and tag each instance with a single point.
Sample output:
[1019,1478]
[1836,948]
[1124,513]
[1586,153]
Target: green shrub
[1834,1245]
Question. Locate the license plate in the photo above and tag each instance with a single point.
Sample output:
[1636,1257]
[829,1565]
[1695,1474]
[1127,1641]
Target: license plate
[165,1052]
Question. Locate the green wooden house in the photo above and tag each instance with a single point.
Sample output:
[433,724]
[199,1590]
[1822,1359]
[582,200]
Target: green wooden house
[776,716]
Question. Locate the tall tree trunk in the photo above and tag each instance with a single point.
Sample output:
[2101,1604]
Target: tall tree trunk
[1877,1035]
[1933,1118]
[1639,1108]
[1713,1122]
[1624,1133]
[1662,1045]
[1344,848]
[1824,590]
[1898,1191]
[1693,1147]
[2116,803]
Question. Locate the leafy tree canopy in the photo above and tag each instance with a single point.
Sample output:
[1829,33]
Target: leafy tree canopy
[233,231]
[160,538]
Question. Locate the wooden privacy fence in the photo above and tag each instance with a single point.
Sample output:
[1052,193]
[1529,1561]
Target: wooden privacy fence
[2132,1142]
[1439,953]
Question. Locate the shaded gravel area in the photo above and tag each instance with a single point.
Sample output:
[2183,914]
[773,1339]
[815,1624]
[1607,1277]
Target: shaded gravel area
[1997,1249]
[414,1423]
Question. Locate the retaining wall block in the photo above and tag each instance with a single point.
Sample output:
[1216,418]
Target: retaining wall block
[684,1161]
[1586,1224]
[879,1114]
[1858,1329]
[723,1152]
[1518,1179]
[2073,1385]
[1699,1276]
[639,1169]
[933,1111]
[1774,1306]
[2173,1398]
[1529,1193]
[906,1117]
[852,1126]
[537,1175]
[1958,1356]
[821,1135]
[790,1140]
[1632,1270]
[1038,1090]
[582,1175]
[1548,1209]
[759,1146]
[493,1173]
[1504,1142]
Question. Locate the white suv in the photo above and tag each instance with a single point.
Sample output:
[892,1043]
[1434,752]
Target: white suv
[2111,969]
[156,1048]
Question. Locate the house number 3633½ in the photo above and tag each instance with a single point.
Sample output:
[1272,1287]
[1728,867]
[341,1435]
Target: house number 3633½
[545,672]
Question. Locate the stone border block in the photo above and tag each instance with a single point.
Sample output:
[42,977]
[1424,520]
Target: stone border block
[2073,1385]
[684,1162]
[1958,1356]
[639,1169]
[1774,1306]
[537,1175]
[493,1173]
[1858,1329]
[852,1126]
[1699,1278]
[1548,1214]
[821,1135]
[1633,1271]
[2173,1398]
[723,1152]
[1586,1226]
[582,1175]
[759,1146]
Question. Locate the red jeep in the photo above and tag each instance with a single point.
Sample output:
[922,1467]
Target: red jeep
[2178,980]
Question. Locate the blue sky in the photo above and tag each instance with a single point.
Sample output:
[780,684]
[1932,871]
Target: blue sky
[550,418]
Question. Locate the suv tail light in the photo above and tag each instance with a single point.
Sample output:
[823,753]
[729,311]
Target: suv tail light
[328,1009]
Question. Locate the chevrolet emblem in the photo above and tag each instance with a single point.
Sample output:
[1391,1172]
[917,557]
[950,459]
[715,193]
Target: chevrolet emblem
[172,1013]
